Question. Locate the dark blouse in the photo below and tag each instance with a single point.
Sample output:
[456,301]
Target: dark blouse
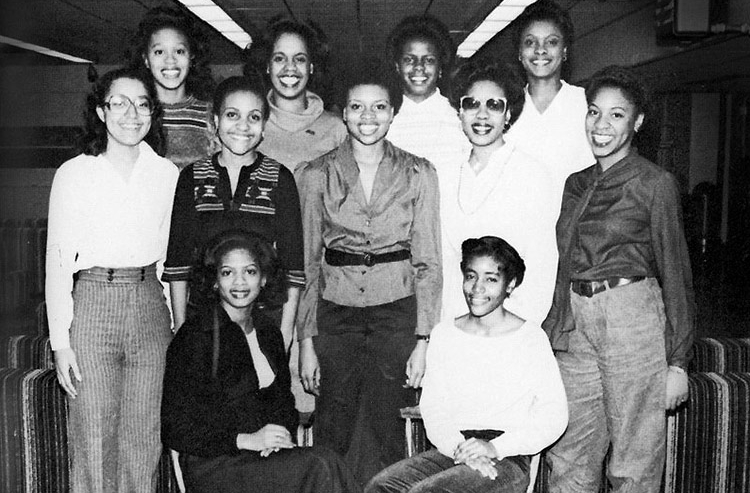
[202,415]
[265,203]
[624,222]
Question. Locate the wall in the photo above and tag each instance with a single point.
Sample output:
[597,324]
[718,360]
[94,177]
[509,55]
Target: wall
[704,138]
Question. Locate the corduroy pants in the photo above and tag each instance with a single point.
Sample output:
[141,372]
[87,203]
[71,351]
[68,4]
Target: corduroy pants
[120,333]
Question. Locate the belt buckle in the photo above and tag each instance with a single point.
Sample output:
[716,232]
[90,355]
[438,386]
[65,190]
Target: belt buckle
[368,259]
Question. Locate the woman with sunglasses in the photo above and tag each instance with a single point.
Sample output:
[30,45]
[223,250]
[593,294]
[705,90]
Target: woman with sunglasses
[499,190]
[109,220]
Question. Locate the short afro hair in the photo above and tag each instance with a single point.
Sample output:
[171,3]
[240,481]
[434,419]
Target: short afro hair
[424,27]
[509,262]
[626,80]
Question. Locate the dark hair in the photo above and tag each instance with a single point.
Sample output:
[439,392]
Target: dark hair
[508,260]
[424,27]
[199,82]
[273,295]
[373,72]
[624,79]
[93,141]
[500,73]
[545,10]
[259,55]
[239,84]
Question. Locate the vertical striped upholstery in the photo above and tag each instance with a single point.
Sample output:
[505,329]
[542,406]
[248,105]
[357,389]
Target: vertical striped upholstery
[26,352]
[720,355]
[708,442]
[33,448]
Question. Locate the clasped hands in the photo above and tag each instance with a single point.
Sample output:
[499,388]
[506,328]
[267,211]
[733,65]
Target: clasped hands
[269,439]
[478,455]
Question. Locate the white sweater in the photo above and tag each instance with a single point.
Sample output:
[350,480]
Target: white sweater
[509,383]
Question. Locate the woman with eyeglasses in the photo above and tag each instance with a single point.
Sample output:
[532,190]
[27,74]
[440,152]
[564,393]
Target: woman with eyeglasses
[109,220]
[497,190]
[551,127]
[372,261]
[172,50]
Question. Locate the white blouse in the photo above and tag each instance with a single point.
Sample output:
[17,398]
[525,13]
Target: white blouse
[97,218]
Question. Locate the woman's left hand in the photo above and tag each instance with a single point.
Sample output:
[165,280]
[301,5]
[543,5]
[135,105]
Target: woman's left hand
[472,449]
[677,388]
[416,364]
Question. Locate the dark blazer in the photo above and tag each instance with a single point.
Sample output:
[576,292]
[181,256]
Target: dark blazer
[202,415]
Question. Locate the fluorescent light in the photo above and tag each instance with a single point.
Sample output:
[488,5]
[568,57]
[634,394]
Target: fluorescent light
[42,50]
[215,16]
[496,21]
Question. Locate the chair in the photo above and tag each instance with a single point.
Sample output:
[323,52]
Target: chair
[416,441]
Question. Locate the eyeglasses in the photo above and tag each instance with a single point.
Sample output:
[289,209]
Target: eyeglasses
[119,104]
[471,105]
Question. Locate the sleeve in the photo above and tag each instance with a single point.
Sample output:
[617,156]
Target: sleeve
[426,256]
[182,231]
[172,176]
[64,217]
[547,417]
[289,229]
[193,409]
[311,182]
[673,263]
[533,298]
[283,412]
[434,403]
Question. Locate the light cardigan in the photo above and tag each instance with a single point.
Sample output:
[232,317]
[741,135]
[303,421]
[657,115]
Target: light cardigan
[557,137]
[96,218]
[509,198]
[430,129]
[510,382]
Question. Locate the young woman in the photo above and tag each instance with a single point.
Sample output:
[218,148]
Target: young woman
[622,320]
[236,188]
[498,190]
[422,52]
[227,405]
[108,225]
[372,257]
[492,394]
[551,127]
[173,51]
[298,129]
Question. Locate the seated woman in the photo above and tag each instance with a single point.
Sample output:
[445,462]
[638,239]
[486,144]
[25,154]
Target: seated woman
[227,407]
[492,395]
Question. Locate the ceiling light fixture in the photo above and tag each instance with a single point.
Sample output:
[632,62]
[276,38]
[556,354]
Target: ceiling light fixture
[217,18]
[496,21]
[42,50]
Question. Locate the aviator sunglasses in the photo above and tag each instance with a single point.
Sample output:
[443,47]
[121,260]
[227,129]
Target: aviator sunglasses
[469,104]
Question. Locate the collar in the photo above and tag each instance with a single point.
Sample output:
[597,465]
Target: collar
[295,122]
[435,101]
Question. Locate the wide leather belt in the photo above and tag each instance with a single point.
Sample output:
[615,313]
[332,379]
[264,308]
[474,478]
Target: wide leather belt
[590,288]
[337,258]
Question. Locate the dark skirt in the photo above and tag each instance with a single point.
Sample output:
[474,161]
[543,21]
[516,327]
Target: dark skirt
[298,470]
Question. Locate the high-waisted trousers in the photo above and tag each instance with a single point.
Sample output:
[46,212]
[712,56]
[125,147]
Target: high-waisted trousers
[120,333]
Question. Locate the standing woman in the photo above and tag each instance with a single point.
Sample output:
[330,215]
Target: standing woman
[372,257]
[173,51]
[236,188]
[497,190]
[298,129]
[108,227]
[421,49]
[622,320]
[551,127]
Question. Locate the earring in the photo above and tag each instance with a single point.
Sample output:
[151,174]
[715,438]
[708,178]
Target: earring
[565,56]
[519,58]
[268,71]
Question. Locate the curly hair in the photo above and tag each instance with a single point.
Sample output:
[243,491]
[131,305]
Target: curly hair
[199,82]
[545,10]
[491,70]
[509,262]
[626,80]
[93,140]
[424,27]
[273,294]
[240,84]
[372,71]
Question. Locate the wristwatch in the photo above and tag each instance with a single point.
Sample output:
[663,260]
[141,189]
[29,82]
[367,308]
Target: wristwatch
[423,337]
